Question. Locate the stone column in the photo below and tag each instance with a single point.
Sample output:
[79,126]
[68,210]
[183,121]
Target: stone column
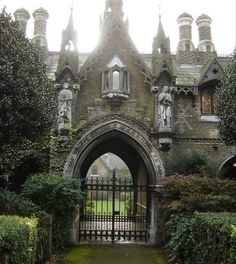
[154,90]
[154,218]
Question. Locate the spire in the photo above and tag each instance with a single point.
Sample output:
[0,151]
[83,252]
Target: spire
[69,35]
[68,62]
[161,43]
[161,56]
[70,25]
[160,32]
[114,8]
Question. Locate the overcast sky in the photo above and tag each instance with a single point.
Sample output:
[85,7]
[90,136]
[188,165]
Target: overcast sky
[143,18]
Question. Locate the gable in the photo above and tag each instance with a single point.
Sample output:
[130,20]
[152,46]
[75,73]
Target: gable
[212,71]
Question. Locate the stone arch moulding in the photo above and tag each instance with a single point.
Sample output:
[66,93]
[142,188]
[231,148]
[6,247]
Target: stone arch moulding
[132,134]
[226,160]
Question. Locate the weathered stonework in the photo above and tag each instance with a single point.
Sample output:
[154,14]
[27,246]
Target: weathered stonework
[130,128]
[186,72]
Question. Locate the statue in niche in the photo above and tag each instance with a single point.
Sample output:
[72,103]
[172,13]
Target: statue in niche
[64,106]
[164,108]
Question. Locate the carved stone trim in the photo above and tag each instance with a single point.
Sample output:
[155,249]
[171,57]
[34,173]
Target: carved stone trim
[198,141]
[107,118]
[144,146]
[187,90]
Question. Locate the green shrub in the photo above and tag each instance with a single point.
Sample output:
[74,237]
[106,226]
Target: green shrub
[233,250]
[13,204]
[58,196]
[203,238]
[202,194]
[18,239]
[188,161]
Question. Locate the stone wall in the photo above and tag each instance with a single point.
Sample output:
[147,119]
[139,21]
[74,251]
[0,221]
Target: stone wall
[194,57]
[187,119]
[90,103]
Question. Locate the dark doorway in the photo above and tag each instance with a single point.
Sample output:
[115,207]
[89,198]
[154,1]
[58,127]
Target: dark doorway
[229,168]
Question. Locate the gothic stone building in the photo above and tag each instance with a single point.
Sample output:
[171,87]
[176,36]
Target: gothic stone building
[140,107]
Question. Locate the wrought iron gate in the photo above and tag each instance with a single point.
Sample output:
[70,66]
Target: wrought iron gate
[113,210]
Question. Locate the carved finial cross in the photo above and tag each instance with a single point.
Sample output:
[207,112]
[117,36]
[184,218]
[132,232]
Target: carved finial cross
[72,6]
[159,11]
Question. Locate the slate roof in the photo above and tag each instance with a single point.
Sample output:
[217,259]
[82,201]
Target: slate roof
[186,74]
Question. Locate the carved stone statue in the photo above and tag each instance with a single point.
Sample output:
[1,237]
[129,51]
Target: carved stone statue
[64,106]
[164,108]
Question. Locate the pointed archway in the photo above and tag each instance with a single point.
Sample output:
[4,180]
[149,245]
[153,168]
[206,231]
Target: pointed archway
[101,137]
[128,141]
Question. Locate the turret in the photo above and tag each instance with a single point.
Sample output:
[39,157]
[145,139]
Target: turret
[40,24]
[113,8]
[161,58]
[113,19]
[204,28]
[22,16]
[185,32]
[69,36]
[161,43]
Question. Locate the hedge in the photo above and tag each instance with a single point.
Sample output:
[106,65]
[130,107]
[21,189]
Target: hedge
[18,239]
[201,194]
[14,204]
[58,196]
[202,238]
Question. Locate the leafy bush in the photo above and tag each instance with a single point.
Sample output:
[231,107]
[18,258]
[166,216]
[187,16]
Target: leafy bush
[194,193]
[58,196]
[233,251]
[188,161]
[18,239]
[202,238]
[27,102]
[13,204]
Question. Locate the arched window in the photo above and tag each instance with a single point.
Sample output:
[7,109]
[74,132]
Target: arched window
[163,49]
[208,101]
[116,80]
[69,46]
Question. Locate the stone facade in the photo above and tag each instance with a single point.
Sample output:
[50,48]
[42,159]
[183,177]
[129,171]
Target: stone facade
[121,114]
[189,74]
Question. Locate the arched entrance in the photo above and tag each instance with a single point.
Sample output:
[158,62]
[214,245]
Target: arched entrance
[132,145]
[115,205]
[228,168]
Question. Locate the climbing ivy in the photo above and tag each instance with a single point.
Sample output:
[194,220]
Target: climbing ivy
[226,108]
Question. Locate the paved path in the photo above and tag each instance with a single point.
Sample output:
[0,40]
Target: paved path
[114,254]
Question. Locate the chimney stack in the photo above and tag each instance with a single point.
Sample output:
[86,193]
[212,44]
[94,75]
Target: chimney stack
[40,24]
[204,29]
[185,32]
[22,16]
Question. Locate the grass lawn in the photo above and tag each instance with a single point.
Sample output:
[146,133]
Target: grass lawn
[105,207]
[113,254]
